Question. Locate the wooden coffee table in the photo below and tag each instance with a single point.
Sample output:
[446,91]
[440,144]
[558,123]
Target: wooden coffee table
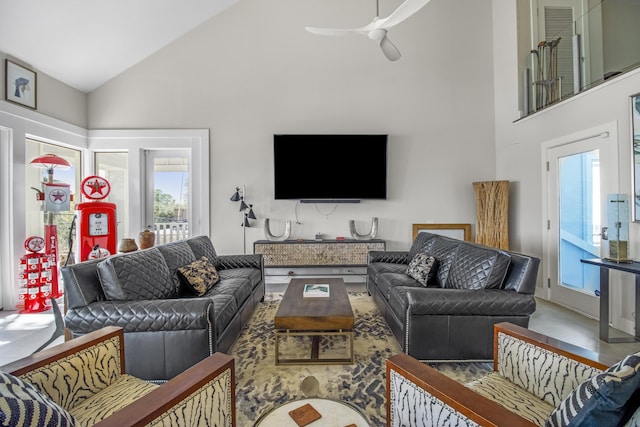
[315,317]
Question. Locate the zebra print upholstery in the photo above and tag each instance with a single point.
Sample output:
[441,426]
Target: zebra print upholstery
[499,389]
[121,393]
[211,405]
[85,376]
[414,406]
[533,374]
[77,377]
[545,374]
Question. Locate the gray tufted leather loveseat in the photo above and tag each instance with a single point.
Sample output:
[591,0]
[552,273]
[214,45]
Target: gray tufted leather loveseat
[452,317]
[167,328]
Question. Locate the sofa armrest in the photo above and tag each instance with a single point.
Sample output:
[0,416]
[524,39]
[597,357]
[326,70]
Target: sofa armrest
[466,302]
[225,262]
[99,354]
[392,257]
[147,316]
[202,395]
[417,393]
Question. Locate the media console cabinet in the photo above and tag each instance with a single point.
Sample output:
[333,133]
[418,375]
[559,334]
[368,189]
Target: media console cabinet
[317,253]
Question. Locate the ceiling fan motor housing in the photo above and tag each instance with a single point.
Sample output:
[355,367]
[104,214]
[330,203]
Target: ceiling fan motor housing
[377,34]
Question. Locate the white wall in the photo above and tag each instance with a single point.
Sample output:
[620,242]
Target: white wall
[519,142]
[254,71]
[55,99]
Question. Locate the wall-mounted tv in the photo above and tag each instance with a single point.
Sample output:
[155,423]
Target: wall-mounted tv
[322,167]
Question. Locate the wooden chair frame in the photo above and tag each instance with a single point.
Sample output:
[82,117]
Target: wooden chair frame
[468,403]
[150,406]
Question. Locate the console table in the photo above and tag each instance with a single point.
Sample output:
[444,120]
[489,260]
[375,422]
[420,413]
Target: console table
[316,253]
[605,267]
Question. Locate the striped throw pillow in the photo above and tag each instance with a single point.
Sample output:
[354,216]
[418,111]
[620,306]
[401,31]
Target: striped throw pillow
[21,404]
[607,399]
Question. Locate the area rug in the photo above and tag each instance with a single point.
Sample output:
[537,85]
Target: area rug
[262,386]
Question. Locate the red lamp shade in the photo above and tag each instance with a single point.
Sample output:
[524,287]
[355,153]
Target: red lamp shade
[50,161]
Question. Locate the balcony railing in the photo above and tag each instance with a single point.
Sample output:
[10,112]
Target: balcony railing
[170,231]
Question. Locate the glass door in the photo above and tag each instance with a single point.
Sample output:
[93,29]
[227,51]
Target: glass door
[580,176]
[167,194]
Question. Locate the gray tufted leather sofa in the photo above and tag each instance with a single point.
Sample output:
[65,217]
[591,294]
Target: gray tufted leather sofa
[167,329]
[452,317]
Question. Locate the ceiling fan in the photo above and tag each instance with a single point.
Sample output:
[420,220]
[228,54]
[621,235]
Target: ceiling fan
[377,29]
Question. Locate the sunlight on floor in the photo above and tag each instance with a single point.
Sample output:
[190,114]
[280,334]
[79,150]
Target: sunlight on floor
[22,334]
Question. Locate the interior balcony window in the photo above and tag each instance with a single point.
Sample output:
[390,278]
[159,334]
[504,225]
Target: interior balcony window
[569,46]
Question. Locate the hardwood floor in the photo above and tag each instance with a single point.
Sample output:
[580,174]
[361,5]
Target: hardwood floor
[558,322]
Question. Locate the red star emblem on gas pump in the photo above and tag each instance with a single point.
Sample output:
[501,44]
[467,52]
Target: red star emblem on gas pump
[57,196]
[96,187]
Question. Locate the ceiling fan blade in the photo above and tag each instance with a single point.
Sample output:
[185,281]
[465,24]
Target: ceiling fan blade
[329,31]
[390,51]
[405,10]
[340,31]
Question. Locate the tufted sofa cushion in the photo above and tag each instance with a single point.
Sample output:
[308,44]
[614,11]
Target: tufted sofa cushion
[422,243]
[202,246]
[177,254]
[477,268]
[137,276]
[445,251]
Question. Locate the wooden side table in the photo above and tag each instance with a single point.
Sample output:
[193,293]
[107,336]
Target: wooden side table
[334,413]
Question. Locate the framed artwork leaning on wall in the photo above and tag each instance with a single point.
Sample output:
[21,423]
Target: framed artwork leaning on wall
[456,231]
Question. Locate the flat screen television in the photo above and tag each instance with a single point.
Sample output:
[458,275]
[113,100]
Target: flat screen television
[321,167]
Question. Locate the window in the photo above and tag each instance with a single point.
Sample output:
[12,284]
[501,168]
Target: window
[35,215]
[172,164]
[114,167]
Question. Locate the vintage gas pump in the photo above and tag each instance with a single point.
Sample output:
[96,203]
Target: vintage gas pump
[34,276]
[57,198]
[97,235]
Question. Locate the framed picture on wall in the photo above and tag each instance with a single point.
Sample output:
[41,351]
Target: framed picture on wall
[457,231]
[21,85]
[635,155]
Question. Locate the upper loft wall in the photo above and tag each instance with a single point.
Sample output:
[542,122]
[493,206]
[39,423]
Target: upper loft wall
[55,99]
[253,71]
[519,142]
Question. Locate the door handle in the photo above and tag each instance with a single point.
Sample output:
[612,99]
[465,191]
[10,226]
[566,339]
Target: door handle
[604,233]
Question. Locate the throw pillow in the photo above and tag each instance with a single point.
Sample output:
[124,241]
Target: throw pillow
[21,404]
[607,399]
[422,268]
[199,276]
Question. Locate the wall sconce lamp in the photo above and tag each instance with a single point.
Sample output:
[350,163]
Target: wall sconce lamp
[246,210]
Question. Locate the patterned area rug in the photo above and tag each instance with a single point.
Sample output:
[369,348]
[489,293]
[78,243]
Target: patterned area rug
[261,385]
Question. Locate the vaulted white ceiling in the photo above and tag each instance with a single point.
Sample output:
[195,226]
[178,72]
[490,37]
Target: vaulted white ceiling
[85,43]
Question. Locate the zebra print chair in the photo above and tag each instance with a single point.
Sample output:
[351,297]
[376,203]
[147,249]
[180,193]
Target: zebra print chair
[536,381]
[82,382]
